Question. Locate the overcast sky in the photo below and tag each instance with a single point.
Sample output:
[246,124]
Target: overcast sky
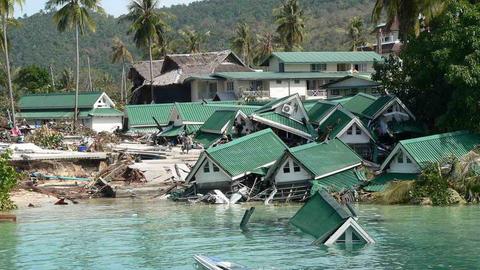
[114,7]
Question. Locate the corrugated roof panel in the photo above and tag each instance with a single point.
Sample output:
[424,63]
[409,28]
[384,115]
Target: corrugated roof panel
[326,57]
[218,120]
[287,121]
[335,123]
[376,106]
[248,153]
[206,139]
[345,180]
[58,100]
[142,115]
[435,148]
[319,110]
[356,104]
[324,158]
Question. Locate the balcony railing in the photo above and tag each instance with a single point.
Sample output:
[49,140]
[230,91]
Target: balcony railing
[257,93]
[320,94]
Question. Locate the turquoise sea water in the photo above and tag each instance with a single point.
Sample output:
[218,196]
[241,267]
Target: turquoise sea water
[143,234]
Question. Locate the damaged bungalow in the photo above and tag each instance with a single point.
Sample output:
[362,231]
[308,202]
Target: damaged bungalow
[240,160]
[96,110]
[223,126]
[331,164]
[330,222]
[349,129]
[410,157]
[288,118]
[184,77]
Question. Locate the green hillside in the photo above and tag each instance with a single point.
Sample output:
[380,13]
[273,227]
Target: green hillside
[38,42]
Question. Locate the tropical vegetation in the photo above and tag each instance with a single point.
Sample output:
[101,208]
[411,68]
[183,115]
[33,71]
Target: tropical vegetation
[8,180]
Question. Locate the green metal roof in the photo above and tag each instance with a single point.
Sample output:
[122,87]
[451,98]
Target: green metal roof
[67,114]
[321,216]
[361,76]
[268,75]
[435,148]
[378,105]
[58,101]
[199,112]
[45,114]
[357,103]
[380,183]
[323,159]
[346,180]
[319,110]
[273,103]
[335,123]
[248,153]
[218,120]
[410,126]
[326,57]
[142,115]
[288,122]
[206,139]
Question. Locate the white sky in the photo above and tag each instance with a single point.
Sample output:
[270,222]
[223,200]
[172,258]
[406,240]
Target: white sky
[114,7]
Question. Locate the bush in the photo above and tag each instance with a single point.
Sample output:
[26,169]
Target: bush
[398,192]
[46,138]
[433,184]
[8,180]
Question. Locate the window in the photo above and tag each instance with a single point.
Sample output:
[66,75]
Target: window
[408,159]
[279,81]
[318,67]
[215,168]
[335,92]
[400,157]
[230,86]
[361,67]
[350,130]
[296,81]
[358,131]
[354,91]
[286,168]
[206,167]
[296,167]
[343,67]
[281,67]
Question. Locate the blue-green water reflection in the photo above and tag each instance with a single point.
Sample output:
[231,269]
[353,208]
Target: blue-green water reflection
[136,234]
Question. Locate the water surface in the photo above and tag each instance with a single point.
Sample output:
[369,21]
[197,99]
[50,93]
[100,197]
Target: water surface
[145,234]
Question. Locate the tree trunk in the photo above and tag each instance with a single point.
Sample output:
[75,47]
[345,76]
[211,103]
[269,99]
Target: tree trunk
[151,68]
[90,84]
[122,85]
[77,82]
[52,77]
[7,62]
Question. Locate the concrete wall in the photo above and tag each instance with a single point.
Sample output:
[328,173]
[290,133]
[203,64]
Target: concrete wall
[108,124]
[404,167]
[355,138]
[284,178]
[280,88]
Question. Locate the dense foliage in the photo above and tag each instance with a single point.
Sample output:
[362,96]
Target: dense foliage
[38,42]
[439,78]
[33,79]
[8,180]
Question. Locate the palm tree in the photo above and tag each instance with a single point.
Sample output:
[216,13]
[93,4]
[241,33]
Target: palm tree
[243,42]
[290,21]
[356,33]
[121,54]
[408,13]
[66,79]
[6,12]
[265,46]
[193,39]
[74,14]
[145,23]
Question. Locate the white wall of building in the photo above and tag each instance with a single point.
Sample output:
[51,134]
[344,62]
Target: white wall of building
[355,138]
[403,164]
[203,177]
[282,88]
[281,177]
[108,123]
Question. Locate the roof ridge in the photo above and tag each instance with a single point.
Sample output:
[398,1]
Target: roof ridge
[244,138]
[65,93]
[436,136]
